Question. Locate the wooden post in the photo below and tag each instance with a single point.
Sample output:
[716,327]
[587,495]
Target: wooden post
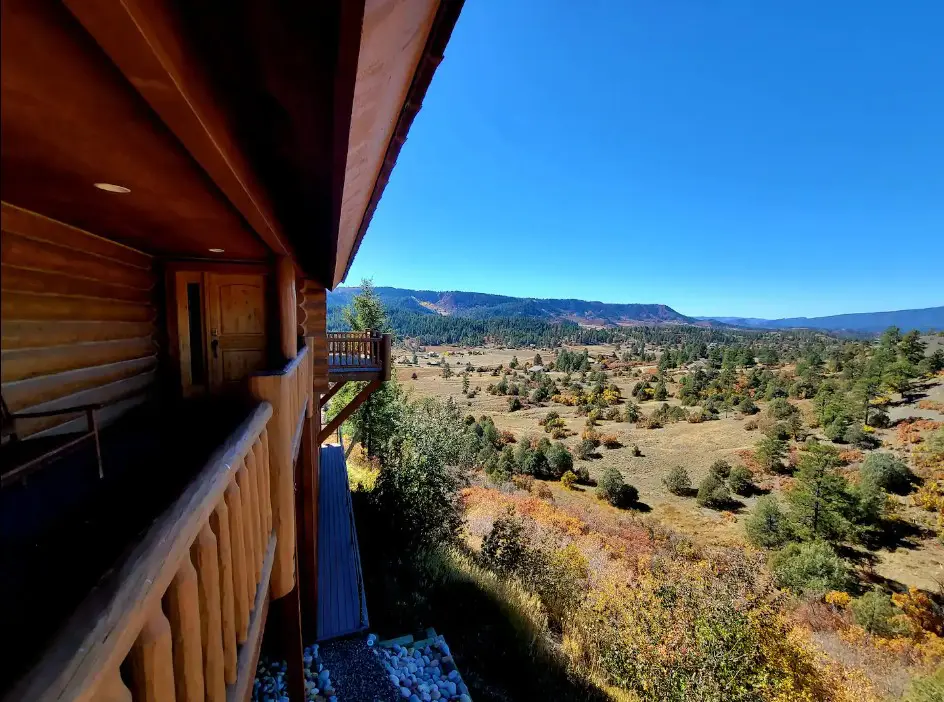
[288,308]
[238,552]
[152,661]
[307,515]
[112,689]
[275,390]
[183,611]
[219,522]
[207,564]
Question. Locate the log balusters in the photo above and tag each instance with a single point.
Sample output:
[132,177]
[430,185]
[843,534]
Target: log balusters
[183,608]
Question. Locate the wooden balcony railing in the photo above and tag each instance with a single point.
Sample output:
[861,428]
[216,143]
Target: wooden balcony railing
[185,610]
[359,352]
[182,617]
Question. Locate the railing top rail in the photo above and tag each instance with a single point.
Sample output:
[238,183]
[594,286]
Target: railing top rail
[101,632]
[355,334]
[288,367]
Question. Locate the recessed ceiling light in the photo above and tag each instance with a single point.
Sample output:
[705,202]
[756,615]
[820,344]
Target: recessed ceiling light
[216,250]
[111,188]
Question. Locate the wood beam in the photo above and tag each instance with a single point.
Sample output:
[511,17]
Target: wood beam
[332,391]
[348,410]
[145,40]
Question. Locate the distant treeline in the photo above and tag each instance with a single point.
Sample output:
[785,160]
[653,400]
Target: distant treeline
[434,330]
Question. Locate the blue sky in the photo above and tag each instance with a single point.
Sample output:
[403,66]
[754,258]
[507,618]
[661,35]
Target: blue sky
[738,157]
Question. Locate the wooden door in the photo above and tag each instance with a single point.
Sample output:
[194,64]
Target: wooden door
[236,327]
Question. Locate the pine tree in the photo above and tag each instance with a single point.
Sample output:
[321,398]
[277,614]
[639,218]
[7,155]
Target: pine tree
[820,503]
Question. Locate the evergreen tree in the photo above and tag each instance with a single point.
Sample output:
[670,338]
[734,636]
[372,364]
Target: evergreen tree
[820,503]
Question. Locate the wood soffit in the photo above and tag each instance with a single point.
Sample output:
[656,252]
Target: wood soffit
[223,141]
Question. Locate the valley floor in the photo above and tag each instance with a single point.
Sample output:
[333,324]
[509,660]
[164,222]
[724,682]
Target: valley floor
[917,561]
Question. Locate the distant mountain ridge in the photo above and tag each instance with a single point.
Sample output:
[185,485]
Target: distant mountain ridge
[924,319]
[473,305]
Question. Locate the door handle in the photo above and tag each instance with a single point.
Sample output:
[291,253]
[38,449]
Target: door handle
[215,345]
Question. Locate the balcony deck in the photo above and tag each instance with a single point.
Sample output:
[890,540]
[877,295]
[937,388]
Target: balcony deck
[342,606]
[358,356]
[65,528]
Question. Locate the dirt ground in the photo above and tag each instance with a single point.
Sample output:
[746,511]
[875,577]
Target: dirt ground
[695,446]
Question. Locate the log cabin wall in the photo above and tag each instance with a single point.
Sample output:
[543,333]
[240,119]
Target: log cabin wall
[78,322]
[313,322]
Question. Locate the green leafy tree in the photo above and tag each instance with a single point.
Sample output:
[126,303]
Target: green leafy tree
[741,480]
[721,468]
[677,481]
[768,525]
[713,493]
[875,613]
[911,347]
[820,502]
[614,489]
[887,471]
[769,452]
[425,463]
[559,459]
[373,423]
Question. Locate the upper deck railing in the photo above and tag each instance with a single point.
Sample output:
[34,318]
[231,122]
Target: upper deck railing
[358,352]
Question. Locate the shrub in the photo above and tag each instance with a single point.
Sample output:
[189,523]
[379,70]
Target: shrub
[713,493]
[505,437]
[514,404]
[631,412]
[721,468]
[747,406]
[926,688]
[697,417]
[858,437]
[569,479]
[584,450]
[886,471]
[635,450]
[413,376]
[836,429]
[610,441]
[677,481]
[875,613]
[811,569]
[503,548]
[769,453]
[583,475]
[558,433]
[767,527]
[543,492]
[781,408]
[523,482]
[741,480]
[750,425]
[614,490]
[592,436]
[549,417]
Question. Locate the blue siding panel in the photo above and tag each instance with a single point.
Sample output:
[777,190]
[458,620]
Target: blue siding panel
[342,607]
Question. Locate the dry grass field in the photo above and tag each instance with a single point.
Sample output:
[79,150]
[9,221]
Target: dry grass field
[919,562]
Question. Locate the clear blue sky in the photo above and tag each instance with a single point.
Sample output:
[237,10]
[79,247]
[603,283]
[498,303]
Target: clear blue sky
[740,157]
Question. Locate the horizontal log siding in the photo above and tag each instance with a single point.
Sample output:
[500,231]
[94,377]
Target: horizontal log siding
[312,322]
[78,320]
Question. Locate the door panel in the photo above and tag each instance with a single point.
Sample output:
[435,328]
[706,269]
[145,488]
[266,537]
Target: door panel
[236,332]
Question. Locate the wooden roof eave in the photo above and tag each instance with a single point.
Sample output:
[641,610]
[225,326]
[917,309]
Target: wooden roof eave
[143,41]
[444,22]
